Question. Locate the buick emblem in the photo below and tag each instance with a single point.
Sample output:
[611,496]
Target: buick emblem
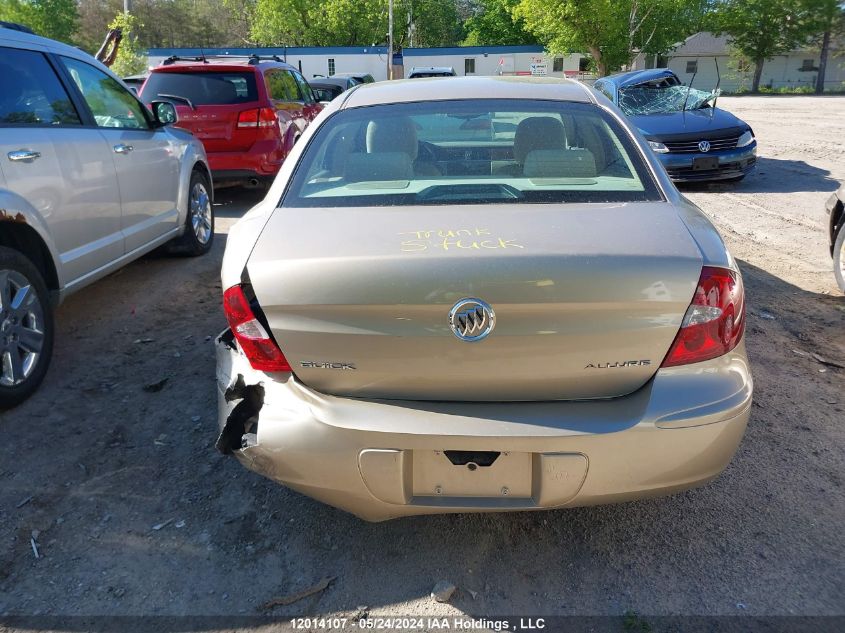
[704,146]
[471,319]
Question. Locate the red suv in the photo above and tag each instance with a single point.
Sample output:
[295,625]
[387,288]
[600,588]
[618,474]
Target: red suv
[248,114]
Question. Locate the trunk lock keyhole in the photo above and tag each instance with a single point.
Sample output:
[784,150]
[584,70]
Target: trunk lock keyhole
[472,465]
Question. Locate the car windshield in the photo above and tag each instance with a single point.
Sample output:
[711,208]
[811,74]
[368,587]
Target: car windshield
[662,97]
[470,151]
[202,88]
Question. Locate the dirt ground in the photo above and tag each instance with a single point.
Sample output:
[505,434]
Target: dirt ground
[94,463]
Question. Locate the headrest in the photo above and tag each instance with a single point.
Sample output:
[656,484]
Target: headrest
[394,134]
[559,163]
[537,132]
[362,167]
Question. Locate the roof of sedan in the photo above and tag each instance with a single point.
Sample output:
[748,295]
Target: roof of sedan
[640,76]
[453,88]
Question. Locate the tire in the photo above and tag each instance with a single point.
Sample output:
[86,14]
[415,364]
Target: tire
[839,258]
[199,220]
[26,328]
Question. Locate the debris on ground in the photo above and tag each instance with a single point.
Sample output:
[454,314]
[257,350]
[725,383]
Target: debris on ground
[141,341]
[361,613]
[829,362]
[473,594]
[33,541]
[161,525]
[768,316]
[24,502]
[296,597]
[156,386]
[443,591]
[179,524]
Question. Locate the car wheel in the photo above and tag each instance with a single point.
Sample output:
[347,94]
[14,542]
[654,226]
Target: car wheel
[199,224]
[26,328]
[839,258]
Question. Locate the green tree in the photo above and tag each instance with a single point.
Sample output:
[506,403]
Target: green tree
[760,29]
[56,19]
[130,59]
[613,32]
[434,22]
[826,22]
[496,24]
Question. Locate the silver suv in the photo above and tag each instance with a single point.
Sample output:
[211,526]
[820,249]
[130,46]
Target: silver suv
[90,179]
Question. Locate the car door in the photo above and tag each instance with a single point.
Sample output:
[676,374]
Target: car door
[146,158]
[57,166]
[310,106]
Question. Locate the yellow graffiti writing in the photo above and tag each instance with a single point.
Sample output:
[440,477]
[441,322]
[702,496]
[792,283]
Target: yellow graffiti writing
[454,239]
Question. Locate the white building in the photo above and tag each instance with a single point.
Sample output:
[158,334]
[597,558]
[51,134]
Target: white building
[316,61]
[312,61]
[702,52]
[496,60]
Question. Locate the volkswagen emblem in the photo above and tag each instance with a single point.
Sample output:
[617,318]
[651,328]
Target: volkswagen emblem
[471,319]
[704,146]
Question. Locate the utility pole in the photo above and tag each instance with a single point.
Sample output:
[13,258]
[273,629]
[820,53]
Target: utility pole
[127,6]
[389,39]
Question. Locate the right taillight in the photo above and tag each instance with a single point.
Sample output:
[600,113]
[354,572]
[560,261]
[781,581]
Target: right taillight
[260,117]
[714,322]
[260,349]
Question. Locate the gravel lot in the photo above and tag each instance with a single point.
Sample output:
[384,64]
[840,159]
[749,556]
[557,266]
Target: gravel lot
[94,461]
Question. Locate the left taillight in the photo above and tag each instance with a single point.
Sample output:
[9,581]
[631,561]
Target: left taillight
[260,349]
[715,320]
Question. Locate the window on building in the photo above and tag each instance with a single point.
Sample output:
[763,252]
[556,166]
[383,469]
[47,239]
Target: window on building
[557,66]
[808,65]
[692,67]
[469,66]
[331,66]
[584,64]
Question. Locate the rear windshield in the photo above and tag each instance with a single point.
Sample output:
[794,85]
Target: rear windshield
[468,152]
[202,88]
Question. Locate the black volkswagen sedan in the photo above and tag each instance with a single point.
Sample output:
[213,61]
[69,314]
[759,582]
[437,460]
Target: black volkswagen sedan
[694,139]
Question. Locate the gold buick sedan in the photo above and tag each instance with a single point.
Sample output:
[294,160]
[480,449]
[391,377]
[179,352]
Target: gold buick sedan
[479,294]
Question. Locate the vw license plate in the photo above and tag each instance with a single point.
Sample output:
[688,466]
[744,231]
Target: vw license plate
[705,163]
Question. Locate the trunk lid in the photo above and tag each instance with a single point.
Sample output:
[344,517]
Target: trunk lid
[587,298]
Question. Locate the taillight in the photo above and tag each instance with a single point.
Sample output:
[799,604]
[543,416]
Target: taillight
[715,320]
[260,117]
[258,347]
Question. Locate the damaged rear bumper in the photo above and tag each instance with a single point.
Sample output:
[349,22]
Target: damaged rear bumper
[381,459]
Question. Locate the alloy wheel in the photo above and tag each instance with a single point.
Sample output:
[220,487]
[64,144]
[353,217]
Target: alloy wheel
[21,328]
[200,208]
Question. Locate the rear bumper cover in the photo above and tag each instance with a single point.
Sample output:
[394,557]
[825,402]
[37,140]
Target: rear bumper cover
[381,459]
[263,159]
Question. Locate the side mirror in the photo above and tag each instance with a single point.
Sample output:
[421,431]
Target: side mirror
[164,112]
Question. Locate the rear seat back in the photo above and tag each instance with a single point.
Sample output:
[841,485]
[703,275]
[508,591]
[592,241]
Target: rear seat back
[559,163]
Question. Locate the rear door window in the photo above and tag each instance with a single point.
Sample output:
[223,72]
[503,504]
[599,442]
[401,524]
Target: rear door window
[203,88]
[30,91]
[282,86]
